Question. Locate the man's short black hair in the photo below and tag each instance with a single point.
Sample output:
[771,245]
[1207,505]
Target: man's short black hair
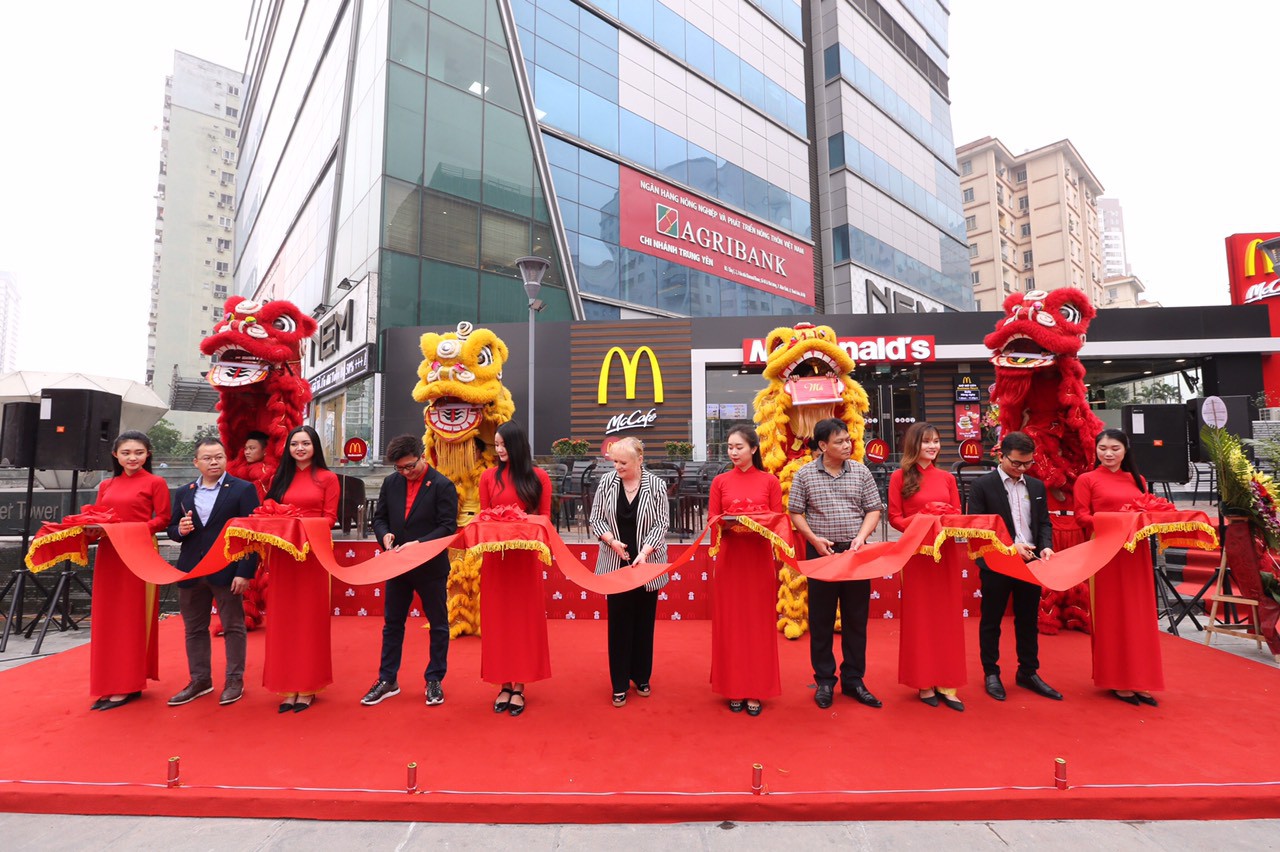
[403,446]
[260,437]
[1019,441]
[208,442]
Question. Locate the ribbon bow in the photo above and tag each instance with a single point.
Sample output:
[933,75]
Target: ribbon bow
[272,509]
[1148,503]
[508,514]
[939,507]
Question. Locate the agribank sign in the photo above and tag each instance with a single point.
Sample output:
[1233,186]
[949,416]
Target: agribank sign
[661,220]
[1252,274]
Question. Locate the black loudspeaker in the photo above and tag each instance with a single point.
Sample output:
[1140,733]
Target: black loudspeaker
[1158,440]
[1241,412]
[77,428]
[18,434]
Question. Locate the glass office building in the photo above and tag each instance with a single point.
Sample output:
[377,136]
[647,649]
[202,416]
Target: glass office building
[668,157]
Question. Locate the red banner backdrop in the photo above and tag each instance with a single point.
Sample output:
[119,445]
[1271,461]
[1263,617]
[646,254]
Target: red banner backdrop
[1254,280]
[665,221]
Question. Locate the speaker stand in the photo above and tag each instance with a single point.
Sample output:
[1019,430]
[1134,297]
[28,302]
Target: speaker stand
[59,599]
[18,585]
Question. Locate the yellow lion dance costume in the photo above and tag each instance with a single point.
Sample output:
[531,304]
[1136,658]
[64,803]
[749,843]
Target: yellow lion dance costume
[460,380]
[808,375]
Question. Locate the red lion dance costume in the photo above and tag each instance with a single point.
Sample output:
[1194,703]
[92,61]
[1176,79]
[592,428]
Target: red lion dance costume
[1040,390]
[257,355]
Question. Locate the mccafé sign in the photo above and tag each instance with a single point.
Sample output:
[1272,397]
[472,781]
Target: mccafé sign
[903,348]
[638,418]
[1252,274]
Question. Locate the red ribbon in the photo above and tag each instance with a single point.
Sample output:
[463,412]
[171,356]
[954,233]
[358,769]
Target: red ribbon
[272,509]
[1149,503]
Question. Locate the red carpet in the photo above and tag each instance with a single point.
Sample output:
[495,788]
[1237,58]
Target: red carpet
[678,756]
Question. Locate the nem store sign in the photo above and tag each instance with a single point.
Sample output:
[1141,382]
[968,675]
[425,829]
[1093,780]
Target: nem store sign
[661,220]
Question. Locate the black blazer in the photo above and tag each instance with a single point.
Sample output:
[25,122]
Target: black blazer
[434,513]
[236,499]
[988,497]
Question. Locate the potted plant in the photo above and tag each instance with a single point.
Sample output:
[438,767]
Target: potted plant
[569,447]
[1253,524]
[682,450]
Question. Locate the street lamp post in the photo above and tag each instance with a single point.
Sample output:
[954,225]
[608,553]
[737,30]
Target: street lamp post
[532,270]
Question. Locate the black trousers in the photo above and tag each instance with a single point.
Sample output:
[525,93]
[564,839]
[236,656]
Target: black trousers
[854,600]
[431,583]
[631,616]
[996,590]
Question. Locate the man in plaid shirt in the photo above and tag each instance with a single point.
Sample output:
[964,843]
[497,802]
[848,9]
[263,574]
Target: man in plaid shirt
[835,505]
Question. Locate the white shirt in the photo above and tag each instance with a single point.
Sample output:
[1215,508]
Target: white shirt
[1019,506]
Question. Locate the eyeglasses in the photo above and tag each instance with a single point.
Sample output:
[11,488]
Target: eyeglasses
[208,459]
[1021,465]
[405,468]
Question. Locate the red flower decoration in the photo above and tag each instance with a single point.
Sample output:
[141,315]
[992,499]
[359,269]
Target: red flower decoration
[508,513]
[272,509]
[1148,503]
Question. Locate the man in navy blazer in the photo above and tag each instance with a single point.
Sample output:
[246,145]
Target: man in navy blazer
[200,510]
[417,503]
[1020,500]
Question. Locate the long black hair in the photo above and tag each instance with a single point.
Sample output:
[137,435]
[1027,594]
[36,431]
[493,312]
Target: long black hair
[289,467]
[1127,464]
[519,465]
[748,433]
[117,469]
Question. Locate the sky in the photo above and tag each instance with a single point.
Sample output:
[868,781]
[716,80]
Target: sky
[1173,108]
[1175,113]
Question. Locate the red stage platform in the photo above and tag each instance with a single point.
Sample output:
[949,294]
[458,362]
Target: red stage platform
[677,756]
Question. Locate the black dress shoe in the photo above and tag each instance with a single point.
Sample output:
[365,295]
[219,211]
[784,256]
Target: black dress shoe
[823,696]
[951,701]
[736,706]
[754,709]
[517,709]
[1149,700]
[1131,698]
[995,688]
[863,695]
[1037,685]
[931,700]
[100,703]
[285,707]
[111,705]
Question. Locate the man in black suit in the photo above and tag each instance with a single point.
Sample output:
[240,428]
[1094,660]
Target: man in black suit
[200,510]
[417,503]
[1020,500]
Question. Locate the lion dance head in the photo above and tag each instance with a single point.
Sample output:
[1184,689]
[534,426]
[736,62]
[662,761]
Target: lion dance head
[1040,381]
[808,381]
[256,353]
[460,380]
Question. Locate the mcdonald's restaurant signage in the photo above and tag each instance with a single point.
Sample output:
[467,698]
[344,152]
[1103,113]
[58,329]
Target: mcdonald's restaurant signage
[638,418]
[1251,271]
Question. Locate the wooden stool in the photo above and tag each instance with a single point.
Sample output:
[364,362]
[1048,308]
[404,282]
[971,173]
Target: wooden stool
[1246,631]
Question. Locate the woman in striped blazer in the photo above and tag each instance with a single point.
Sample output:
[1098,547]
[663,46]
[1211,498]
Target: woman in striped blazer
[630,517]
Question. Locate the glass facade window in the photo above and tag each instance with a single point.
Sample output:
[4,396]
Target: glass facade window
[461,200]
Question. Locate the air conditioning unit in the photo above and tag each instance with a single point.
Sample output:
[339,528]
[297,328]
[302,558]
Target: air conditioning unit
[221,205]
[222,275]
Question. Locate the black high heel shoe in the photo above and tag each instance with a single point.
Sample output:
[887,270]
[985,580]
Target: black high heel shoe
[501,706]
[517,709]
[1131,698]
[299,706]
[931,700]
[1149,700]
[951,701]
